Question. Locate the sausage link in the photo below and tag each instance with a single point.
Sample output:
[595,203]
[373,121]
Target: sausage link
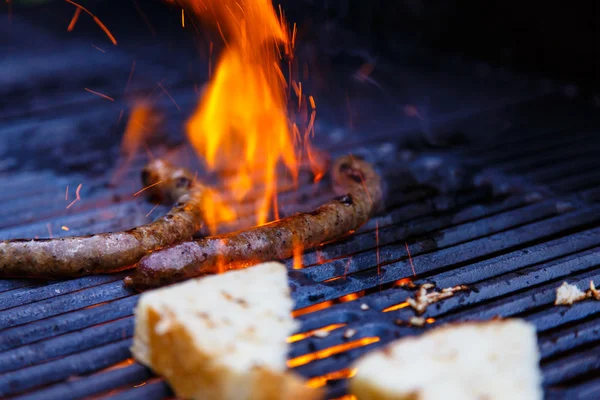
[360,194]
[111,252]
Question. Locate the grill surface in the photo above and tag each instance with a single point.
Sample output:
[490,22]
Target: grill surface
[512,213]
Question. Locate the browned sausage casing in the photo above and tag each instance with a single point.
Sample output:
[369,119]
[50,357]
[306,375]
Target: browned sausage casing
[360,192]
[112,252]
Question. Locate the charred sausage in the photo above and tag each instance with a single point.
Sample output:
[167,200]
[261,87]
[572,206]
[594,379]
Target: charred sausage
[112,252]
[360,194]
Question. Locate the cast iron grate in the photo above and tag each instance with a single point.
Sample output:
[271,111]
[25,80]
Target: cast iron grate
[511,216]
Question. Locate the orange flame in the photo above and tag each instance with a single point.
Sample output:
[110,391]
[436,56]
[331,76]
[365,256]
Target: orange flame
[215,211]
[240,128]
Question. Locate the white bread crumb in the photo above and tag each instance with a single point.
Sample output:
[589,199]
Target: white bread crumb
[495,360]
[222,337]
[567,294]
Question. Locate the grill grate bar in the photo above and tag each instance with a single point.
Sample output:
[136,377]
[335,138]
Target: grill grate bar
[39,292]
[568,337]
[62,304]
[442,259]
[58,346]
[86,386]
[69,322]
[455,235]
[55,371]
[397,226]
[572,366]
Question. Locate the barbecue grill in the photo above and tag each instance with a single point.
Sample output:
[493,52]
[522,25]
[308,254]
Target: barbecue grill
[492,183]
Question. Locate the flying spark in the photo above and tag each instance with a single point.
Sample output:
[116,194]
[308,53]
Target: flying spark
[100,94]
[96,20]
[410,259]
[146,188]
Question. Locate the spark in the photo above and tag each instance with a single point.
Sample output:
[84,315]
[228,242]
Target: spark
[153,208]
[130,76]
[140,385]
[74,19]
[377,252]
[169,94]
[96,20]
[146,188]
[67,193]
[77,196]
[410,259]
[120,116]
[64,228]
[49,229]
[148,24]
[96,47]
[99,94]
[182,19]
[312,102]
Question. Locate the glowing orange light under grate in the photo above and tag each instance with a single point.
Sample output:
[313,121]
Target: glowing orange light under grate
[330,351]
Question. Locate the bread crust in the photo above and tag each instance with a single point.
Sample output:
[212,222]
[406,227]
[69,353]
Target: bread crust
[193,374]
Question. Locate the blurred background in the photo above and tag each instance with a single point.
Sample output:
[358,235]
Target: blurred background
[550,39]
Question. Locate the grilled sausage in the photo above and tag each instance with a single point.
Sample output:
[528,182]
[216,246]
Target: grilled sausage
[360,194]
[112,252]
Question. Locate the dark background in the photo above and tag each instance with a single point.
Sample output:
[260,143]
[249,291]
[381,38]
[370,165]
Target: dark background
[556,40]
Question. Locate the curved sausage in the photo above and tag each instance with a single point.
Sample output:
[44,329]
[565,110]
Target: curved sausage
[111,252]
[360,194]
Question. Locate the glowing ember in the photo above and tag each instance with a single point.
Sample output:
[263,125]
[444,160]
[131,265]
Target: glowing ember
[330,351]
[312,308]
[396,307]
[240,127]
[303,335]
[320,381]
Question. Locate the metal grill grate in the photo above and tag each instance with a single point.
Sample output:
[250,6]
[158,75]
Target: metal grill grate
[511,216]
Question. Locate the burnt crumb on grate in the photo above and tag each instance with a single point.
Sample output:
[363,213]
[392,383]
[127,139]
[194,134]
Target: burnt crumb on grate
[423,298]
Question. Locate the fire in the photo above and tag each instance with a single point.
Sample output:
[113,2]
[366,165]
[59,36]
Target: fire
[142,123]
[215,210]
[241,128]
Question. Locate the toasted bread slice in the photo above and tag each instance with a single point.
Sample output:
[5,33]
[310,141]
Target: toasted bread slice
[496,360]
[222,337]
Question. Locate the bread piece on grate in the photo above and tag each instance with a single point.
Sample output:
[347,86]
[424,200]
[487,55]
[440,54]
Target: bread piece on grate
[567,294]
[496,360]
[222,337]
